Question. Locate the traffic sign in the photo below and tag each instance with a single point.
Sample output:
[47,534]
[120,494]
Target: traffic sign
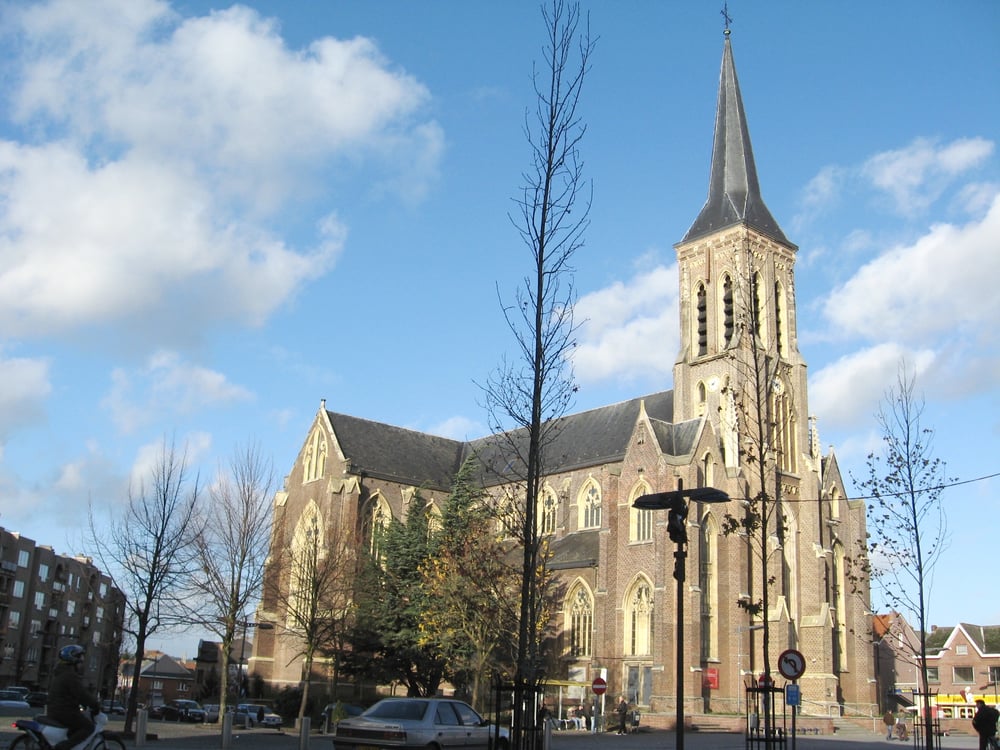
[599,686]
[791,664]
[793,695]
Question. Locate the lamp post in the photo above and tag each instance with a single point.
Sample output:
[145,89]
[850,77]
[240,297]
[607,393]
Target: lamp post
[243,647]
[676,502]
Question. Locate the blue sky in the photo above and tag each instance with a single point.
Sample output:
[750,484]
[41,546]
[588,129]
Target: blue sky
[213,216]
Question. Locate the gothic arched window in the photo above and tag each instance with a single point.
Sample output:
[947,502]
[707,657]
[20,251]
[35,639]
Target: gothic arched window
[590,506]
[548,512]
[702,302]
[728,317]
[315,457]
[708,579]
[640,525]
[780,320]
[580,606]
[377,522]
[639,619]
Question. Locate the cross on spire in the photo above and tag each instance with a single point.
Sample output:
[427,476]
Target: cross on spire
[726,17]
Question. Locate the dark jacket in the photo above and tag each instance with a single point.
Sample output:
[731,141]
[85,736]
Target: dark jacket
[67,694]
[985,720]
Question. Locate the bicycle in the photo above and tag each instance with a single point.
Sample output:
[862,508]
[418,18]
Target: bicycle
[42,733]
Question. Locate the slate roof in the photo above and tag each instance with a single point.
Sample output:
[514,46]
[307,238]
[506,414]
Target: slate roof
[733,189]
[584,439]
[576,550]
[986,637]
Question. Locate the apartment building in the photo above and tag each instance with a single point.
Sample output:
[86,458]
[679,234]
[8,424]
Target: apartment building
[48,601]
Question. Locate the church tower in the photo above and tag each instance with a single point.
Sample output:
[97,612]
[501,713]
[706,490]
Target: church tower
[737,303]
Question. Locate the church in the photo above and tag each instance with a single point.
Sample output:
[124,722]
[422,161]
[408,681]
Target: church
[737,419]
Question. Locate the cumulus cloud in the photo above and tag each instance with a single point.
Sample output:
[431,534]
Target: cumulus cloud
[157,154]
[187,453]
[943,282]
[915,176]
[166,385]
[26,386]
[848,391]
[912,177]
[629,329]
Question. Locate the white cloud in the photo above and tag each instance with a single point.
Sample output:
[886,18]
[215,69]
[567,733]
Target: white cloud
[23,394]
[915,176]
[629,329]
[167,384]
[939,285]
[150,457]
[459,428]
[159,152]
[847,392]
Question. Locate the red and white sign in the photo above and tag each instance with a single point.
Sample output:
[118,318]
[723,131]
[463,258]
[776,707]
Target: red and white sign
[791,664]
[599,686]
[765,680]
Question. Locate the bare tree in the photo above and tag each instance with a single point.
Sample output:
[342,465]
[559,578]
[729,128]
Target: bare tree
[907,521]
[531,392]
[313,595]
[148,550]
[758,428]
[232,548]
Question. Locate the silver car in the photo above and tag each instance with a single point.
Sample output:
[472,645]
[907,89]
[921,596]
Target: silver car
[417,723]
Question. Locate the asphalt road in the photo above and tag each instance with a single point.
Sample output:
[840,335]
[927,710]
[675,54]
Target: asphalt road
[171,736]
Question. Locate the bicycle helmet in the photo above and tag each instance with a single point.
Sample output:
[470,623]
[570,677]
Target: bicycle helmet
[72,654]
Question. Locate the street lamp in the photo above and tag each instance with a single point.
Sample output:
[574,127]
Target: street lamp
[676,502]
[243,647]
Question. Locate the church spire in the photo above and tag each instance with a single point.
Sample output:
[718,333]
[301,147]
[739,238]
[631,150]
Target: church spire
[733,191]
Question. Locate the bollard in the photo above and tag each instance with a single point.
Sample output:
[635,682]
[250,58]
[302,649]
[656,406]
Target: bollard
[227,730]
[141,718]
[304,733]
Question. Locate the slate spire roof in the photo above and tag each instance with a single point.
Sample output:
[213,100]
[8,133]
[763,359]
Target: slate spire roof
[733,191]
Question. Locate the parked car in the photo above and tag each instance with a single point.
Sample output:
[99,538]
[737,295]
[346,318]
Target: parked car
[37,699]
[112,708]
[256,714]
[13,704]
[418,723]
[211,712]
[183,710]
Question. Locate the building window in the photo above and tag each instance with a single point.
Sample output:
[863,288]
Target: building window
[639,619]
[962,650]
[729,326]
[709,582]
[548,512]
[640,519]
[14,620]
[22,558]
[18,590]
[963,675]
[702,298]
[379,517]
[43,572]
[581,622]
[590,506]
[157,684]
[780,320]
[994,675]
[315,458]
[39,600]
[932,674]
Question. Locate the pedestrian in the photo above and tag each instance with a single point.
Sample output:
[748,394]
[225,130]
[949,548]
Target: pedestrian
[889,720]
[622,714]
[985,723]
[67,694]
